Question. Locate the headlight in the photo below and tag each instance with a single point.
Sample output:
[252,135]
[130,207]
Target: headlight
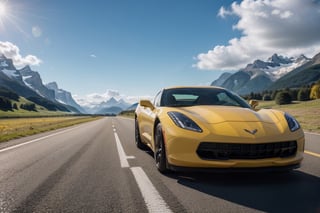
[184,122]
[292,122]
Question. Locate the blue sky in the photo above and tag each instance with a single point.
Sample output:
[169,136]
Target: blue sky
[136,47]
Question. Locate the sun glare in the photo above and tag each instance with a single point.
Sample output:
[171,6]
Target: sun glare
[3,9]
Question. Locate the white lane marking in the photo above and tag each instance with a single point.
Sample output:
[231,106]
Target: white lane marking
[151,196]
[35,140]
[312,153]
[122,155]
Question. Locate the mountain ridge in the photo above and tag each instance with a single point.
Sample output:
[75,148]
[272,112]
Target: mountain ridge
[261,75]
[28,84]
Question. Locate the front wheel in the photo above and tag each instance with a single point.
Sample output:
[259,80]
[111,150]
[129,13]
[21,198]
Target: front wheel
[160,150]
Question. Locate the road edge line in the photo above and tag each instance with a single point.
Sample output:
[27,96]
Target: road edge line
[35,140]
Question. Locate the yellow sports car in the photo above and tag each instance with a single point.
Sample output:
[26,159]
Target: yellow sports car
[209,128]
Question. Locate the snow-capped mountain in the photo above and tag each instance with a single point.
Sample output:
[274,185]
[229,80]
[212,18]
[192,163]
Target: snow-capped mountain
[11,78]
[275,67]
[302,75]
[281,66]
[28,84]
[64,96]
[112,105]
[7,68]
[259,75]
[33,80]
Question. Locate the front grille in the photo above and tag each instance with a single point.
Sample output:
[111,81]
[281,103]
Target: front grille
[225,151]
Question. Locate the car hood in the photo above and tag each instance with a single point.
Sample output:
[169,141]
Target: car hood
[219,114]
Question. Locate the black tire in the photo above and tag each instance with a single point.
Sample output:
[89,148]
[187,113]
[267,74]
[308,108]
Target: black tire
[160,150]
[139,143]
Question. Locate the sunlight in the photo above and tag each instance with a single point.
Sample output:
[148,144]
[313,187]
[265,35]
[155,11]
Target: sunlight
[3,10]
[3,13]
[6,16]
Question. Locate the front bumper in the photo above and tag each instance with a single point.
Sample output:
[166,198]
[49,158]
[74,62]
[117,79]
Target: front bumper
[181,147]
[234,170]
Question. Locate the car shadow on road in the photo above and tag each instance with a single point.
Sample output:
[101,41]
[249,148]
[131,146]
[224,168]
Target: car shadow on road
[294,191]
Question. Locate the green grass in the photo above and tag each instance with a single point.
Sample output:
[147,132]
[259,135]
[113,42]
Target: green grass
[129,114]
[12,128]
[40,111]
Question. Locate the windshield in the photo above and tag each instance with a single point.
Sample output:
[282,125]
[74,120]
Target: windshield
[180,97]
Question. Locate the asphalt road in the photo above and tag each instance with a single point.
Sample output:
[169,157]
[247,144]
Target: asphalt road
[95,167]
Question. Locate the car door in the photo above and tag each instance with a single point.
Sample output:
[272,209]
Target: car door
[149,116]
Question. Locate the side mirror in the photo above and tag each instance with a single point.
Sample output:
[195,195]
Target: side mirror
[146,103]
[253,104]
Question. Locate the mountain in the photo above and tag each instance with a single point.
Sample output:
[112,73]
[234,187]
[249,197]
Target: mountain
[260,75]
[7,68]
[63,96]
[223,77]
[33,80]
[110,106]
[110,110]
[112,102]
[132,107]
[13,80]
[303,75]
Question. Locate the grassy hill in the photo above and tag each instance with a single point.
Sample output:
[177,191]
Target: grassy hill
[39,111]
[13,105]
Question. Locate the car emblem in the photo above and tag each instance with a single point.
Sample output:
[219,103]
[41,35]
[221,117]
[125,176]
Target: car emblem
[252,132]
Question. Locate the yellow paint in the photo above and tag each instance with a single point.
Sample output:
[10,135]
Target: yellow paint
[225,124]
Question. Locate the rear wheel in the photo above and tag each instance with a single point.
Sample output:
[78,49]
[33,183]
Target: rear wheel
[160,150]
[139,143]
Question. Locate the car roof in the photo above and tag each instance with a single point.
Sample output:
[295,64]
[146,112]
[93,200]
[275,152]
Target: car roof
[193,87]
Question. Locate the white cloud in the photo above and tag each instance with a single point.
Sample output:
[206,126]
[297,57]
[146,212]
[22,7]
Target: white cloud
[288,27]
[36,31]
[94,99]
[113,93]
[93,56]
[12,51]
[223,12]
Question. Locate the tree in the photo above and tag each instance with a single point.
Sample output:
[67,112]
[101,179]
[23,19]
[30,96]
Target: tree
[294,94]
[5,104]
[28,106]
[304,94]
[274,94]
[15,106]
[283,98]
[315,91]
[267,97]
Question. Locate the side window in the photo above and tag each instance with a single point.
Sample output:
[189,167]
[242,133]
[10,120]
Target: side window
[156,101]
[226,100]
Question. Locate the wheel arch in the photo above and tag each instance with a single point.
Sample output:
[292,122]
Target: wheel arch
[156,122]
